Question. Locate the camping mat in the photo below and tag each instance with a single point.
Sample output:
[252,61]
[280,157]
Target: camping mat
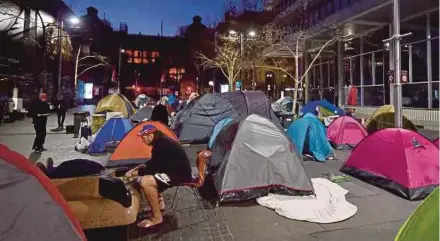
[328,206]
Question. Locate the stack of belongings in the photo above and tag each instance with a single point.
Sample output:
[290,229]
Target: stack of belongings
[85,133]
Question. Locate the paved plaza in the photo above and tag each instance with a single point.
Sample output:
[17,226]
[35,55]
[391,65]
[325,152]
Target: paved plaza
[380,214]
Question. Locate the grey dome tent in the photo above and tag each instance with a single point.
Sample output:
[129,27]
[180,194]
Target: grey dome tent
[194,123]
[31,207]
[252,157]
[142,114]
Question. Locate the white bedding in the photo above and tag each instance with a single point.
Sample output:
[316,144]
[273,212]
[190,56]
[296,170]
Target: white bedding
[328,206]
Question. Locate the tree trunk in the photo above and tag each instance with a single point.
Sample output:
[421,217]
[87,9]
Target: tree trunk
[296,80]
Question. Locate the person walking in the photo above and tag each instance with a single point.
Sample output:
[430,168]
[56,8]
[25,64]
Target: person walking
[40,111]
[61,111]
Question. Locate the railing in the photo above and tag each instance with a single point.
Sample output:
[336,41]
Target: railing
[428,118]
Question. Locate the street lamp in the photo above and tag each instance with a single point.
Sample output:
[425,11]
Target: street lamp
[74,21]
[232,32]
[252,33]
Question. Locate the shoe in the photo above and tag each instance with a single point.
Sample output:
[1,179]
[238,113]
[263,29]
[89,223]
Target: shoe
[41,167]
[49,163]
[41,149]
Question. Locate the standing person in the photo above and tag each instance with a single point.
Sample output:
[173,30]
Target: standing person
[160,113]
[61,111]
[40,111]
[169,166]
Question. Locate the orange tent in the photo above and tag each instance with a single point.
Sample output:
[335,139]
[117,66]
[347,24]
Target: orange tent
[132,151]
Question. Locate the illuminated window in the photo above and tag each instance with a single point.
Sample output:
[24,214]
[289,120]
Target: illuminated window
[141,56]
[129,54]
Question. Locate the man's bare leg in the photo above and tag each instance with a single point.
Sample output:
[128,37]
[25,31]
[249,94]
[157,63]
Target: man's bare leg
[149,186]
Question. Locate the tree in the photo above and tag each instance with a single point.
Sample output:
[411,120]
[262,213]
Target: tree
[229,58]
[284,44]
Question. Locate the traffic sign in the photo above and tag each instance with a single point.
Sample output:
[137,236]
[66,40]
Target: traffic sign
[390,76]
[404,77]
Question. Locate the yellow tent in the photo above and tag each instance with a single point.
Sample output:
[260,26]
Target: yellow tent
[115,103]
[383,118]
[423,224]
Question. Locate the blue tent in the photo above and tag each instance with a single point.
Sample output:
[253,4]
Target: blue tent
[217,128]
[110,133]
[309,136]
[311,107]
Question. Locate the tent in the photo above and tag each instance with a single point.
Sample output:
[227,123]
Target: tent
[345,133]
[309,136]
[383,118]
[284,104]
[326,108]
[142,100]
[194,123]
[31,207]
[132,151]
[217,128]
[423,224]
[143,114]
[252,157]
[397,160]
[110,134]
[436,143]
[115,103]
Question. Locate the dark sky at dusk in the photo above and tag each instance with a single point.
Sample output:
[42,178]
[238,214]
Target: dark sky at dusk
[145,15]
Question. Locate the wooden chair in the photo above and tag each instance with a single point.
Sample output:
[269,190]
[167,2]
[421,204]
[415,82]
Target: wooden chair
[199,175]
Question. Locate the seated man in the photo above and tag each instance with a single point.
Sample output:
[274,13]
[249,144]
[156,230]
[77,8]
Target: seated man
[72,168]
[169,166]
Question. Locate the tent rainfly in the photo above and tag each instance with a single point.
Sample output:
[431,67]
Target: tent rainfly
[252,157]
[400,161]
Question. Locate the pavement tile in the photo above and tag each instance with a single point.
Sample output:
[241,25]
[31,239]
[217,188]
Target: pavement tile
[255,219]
[376,209]
[376,232]
[355,190]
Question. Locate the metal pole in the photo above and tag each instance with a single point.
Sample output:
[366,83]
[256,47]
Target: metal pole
[119,69]
[410,64]
[60,54]
[397,59]
[361,69]
[429,58]
[340,79]
[373,68]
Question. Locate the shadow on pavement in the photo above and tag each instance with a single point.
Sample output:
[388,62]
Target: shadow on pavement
[34,156]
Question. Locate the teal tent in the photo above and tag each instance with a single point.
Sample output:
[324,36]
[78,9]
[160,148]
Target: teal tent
[217,128]
[309,136]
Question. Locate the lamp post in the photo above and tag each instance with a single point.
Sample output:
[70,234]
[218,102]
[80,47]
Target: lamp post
[252,34]
[73,21]
[395,39]
[121,51]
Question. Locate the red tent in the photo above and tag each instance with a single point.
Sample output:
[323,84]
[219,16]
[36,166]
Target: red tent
[436,143]
[132,151]
[31,207]
[345,133]
[398,160]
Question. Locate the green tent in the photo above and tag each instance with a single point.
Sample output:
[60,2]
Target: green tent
[423,224]
[383,118]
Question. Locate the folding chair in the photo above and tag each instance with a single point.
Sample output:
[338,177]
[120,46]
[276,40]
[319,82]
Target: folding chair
[198,179]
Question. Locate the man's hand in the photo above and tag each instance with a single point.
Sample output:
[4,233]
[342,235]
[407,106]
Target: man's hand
[134,172]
